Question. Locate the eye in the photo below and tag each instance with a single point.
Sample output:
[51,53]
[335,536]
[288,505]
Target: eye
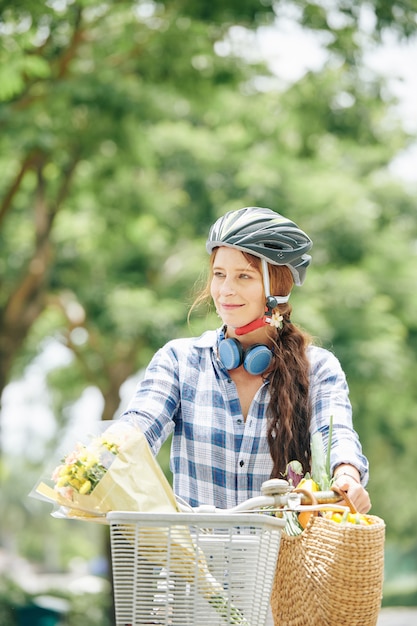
[218,274]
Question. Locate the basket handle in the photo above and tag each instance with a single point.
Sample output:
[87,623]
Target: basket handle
[310,495]
[306,492]
[345,497]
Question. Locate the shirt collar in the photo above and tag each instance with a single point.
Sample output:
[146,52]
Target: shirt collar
[209,339]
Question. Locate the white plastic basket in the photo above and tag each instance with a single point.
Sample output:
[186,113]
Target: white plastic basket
[186,569]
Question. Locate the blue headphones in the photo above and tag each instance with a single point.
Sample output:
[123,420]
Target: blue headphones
[256,359]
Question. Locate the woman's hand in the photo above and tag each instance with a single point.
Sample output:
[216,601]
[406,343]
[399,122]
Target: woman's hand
[347,479]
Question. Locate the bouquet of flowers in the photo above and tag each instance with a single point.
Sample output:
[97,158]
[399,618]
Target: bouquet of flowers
[117,471]
[82,469]
[113,471]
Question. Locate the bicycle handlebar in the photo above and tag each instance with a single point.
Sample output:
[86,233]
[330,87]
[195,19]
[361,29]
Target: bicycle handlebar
[275,494]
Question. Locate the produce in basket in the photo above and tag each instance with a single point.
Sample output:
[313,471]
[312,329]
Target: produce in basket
[335,551]
[319,480]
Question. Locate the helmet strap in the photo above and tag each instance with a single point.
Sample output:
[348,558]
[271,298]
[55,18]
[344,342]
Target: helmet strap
[271,303]
[248,328]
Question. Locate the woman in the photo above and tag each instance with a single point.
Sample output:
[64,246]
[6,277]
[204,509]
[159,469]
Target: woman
[243,401]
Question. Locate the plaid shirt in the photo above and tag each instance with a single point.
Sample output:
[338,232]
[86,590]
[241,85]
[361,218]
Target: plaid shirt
[217,457]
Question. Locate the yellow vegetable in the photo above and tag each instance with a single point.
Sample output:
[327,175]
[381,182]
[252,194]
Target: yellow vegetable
[309,484]
[348,518]
[306,484]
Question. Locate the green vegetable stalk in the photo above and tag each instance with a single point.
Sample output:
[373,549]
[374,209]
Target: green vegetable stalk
[320,461]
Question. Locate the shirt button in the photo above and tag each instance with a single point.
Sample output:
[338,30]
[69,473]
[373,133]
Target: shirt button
[239,420]
[241,463]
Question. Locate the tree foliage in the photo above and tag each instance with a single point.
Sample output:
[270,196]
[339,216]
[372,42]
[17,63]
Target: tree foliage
[126,129]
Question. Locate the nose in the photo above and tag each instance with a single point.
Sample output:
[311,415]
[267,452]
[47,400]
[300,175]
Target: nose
[227,286]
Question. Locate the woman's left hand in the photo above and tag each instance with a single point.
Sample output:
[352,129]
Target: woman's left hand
[357,494]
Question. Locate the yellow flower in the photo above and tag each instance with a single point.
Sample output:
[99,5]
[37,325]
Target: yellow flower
[83,468]
[85,488]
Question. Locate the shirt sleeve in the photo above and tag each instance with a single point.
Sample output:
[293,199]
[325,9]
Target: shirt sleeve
[330,399]
[156,399]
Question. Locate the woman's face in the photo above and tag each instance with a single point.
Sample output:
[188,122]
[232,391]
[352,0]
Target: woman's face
[236,288]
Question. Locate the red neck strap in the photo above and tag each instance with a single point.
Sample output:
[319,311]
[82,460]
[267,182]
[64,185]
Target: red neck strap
[242,330]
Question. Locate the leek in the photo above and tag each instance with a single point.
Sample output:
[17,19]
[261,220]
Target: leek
[320,461]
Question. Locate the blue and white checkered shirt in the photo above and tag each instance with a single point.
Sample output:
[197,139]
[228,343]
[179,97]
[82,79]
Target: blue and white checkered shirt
[217,457]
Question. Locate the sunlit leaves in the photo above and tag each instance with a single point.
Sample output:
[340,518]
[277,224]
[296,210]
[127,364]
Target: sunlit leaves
[132,133]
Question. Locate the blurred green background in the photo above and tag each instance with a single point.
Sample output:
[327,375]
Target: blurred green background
[126,129]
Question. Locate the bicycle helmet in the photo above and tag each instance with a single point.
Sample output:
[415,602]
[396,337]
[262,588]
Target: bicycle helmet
[265,234]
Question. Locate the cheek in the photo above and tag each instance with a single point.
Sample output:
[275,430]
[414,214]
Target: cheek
[258,294]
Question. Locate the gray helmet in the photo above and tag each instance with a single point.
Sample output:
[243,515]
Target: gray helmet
[265,234]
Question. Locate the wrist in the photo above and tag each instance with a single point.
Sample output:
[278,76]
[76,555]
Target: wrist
[347,472]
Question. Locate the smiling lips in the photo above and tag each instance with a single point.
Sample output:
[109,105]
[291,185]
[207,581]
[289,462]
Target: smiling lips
[230,307]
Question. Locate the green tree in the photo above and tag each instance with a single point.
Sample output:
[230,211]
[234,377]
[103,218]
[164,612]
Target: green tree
[125,133]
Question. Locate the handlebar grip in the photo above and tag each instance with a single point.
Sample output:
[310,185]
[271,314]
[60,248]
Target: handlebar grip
[322,497]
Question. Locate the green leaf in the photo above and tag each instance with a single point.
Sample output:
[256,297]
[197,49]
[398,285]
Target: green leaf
[11,82]
[35,66]
[15,72]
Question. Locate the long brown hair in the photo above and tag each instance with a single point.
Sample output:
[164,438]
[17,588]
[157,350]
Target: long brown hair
[289,410]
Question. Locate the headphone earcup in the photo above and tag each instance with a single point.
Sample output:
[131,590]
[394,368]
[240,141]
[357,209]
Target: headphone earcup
[231,353]
[257,359]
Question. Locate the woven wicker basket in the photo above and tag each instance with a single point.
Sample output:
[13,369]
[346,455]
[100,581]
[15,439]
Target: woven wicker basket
[330,575]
